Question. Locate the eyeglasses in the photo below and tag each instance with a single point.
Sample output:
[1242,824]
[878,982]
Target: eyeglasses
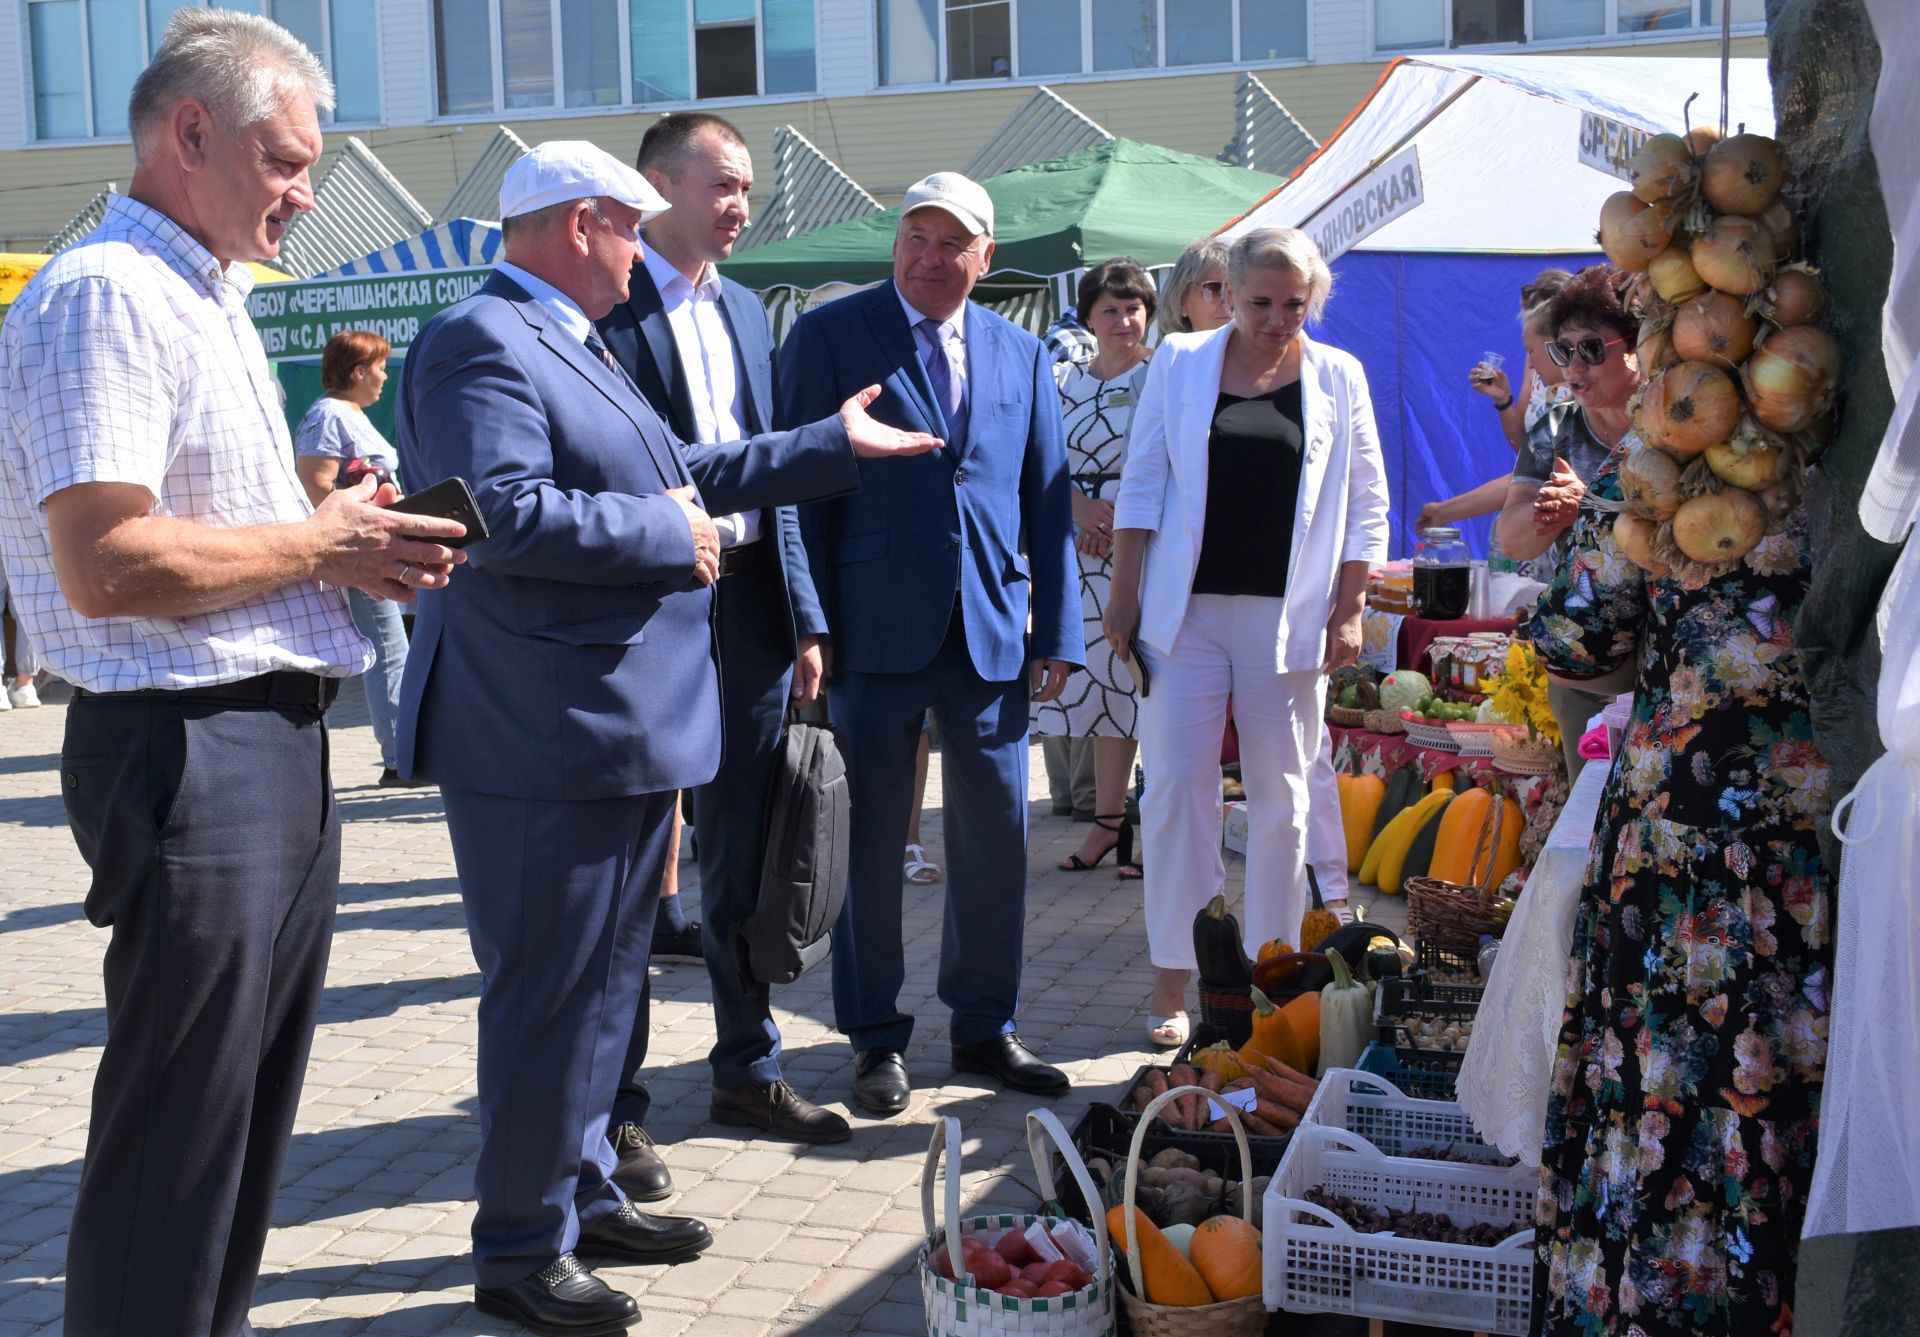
[1214,290]
[1590,351]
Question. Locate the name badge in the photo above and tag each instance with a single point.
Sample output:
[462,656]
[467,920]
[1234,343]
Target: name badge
[1119,399]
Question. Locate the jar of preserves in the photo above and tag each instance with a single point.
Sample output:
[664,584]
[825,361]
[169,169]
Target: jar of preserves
[1442,574]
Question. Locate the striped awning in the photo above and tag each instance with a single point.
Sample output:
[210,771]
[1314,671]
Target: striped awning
[462,243]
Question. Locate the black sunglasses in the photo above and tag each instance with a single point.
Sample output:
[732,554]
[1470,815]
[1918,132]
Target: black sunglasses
[1590,351]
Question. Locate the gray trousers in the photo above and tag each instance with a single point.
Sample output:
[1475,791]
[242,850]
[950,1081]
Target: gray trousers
[1572,708]
[1069,763]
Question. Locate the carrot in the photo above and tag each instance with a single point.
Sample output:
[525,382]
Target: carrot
[1154,1083]
[1276,1113]
[1285,1085]
[1191,1109]
[1260,1127]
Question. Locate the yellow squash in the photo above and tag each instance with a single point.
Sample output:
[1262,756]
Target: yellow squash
[1360,800]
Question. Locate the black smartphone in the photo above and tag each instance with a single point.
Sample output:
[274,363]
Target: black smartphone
[1137,665]
[449,499]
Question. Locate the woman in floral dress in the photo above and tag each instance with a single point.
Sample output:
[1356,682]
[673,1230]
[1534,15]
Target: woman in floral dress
[1680,1132]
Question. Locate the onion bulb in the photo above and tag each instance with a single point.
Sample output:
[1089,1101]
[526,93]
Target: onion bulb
[1654,352]
[1674,276]
[1752,467]
[1777,218]
[1688,408]
[1651,481]
[1702,138]
[1715,328]
[1796,298]
[1663,169]
[1632,232]
[1720,527]
[1635,534]
[1791,378]
[1735,255]
[1742,175]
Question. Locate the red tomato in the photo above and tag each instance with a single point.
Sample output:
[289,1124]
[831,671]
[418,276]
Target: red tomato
[990,1270]
[1053,1288]
[1067,1272]
[1024,1289]
[1013,1247]
[941,1263]
[1034,1273]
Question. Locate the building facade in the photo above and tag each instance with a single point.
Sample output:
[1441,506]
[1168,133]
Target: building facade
[890,89]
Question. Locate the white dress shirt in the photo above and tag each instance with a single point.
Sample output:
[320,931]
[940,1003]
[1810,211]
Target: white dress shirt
[705,350]
[130,358]
[956,347]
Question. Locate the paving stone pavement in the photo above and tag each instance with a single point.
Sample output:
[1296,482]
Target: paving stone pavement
[371,1231]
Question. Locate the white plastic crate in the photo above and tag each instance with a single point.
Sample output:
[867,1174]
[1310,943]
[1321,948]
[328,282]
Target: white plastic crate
[1313,1262]
[1398,1125]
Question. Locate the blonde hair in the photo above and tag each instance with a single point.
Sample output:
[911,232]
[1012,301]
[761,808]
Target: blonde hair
[239,66]
[1285,248]
[1195,263]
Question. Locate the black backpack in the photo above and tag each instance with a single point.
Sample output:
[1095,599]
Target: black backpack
[803,874]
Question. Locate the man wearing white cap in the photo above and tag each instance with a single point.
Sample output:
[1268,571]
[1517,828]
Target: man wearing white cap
[563,697]
[926,595]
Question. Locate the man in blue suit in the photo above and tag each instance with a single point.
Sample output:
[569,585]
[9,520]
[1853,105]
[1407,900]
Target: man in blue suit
[927,599]
[699,348]
[564,695]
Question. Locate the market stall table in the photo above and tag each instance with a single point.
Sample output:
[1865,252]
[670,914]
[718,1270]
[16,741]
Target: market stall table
[1509,1063]
[1362,752]
[1417,633]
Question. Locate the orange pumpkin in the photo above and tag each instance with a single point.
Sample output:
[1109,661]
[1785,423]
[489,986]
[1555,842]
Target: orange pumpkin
[1226,1253]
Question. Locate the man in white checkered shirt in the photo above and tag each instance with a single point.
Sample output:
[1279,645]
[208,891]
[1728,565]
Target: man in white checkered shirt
[166,562]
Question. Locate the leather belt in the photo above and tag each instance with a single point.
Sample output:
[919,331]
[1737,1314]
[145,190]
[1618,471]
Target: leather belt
[742,558]
[283,689]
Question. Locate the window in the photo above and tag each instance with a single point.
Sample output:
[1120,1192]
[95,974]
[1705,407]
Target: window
[930,41]
[1411,25]
[493,56]
[85,54]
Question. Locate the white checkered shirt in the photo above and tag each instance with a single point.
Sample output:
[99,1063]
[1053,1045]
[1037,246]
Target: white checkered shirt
[130,358]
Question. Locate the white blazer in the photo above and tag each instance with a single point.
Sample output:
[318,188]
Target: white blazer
[1339,516]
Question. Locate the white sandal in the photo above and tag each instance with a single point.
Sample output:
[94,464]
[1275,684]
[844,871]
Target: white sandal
[1169,1032]
[920,870]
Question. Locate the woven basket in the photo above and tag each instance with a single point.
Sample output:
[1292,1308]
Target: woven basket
[1345,717]
[1246,1317]
[1229,1009]
[1385,721]
[1516,752]
[956,1309]
[1451,915]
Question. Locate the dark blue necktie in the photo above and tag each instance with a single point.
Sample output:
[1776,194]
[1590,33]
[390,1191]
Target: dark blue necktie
[601,351]
[948,391]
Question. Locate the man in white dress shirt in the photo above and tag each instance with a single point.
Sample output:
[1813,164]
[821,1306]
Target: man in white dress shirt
[699,348]
[167,563]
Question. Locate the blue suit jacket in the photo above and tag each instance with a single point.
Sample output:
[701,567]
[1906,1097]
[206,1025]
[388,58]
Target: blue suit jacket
[642,340]
[890,558]
[571,657]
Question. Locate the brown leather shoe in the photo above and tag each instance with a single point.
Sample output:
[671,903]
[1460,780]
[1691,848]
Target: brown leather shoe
[778,1109]
[641,1174]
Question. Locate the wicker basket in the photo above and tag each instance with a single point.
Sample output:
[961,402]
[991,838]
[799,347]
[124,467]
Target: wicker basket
[1229,1009]
[1518,753]
[1345,717]
[1246,1317]
[955,1309]
[1385,721]
[1452,915]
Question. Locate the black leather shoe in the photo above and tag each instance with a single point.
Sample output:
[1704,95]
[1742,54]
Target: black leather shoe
[642,1237]
[880,1081]
[641,1174]
[562,1299]
[678,945]
[778,1109]
[1012,1064]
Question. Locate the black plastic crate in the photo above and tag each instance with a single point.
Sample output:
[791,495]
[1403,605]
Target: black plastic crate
[1430,955]
[1106,1131]
[1401,1001]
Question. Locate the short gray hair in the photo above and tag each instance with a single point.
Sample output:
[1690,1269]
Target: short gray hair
[537,221]
[239,66]
[1195,263]
[1285,248]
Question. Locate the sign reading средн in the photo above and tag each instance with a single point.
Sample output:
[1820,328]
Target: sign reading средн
[1369,204]
[1609,145]
[295,320]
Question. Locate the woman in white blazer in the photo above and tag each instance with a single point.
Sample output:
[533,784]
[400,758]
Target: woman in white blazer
[1252,504]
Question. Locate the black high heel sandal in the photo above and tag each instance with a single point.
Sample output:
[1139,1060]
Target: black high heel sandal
[1122,826]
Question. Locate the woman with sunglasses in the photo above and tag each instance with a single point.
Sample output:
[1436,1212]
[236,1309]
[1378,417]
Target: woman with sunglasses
[1195,298]
[1683,1101]
[1593,341]
[1252,502]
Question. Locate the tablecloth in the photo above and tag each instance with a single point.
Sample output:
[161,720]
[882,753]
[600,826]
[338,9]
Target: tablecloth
[1509,1063]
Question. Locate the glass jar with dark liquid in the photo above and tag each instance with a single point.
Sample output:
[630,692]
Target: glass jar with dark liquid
[1442,575]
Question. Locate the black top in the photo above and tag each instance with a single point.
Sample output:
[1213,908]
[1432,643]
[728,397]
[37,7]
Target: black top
[1253,481]
[1561,432]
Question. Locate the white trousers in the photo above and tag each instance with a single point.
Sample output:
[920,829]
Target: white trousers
[1326,836]
[1225,651]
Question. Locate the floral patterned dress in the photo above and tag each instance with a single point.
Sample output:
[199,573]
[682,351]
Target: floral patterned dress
[1686,1092]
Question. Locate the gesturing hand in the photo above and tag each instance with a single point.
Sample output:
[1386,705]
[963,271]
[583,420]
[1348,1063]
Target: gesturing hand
[706,539]
[1558,500]
[873,439]
[387,554]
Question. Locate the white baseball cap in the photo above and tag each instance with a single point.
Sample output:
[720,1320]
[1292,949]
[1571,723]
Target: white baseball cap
[573,169]
[960,196]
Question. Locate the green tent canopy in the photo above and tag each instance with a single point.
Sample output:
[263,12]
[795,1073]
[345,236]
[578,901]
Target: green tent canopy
[1120,197]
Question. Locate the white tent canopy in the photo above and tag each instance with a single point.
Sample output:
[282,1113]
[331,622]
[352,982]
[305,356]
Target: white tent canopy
[1498,142]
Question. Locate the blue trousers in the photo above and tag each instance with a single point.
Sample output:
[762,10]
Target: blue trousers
[983,760]
[379,621]
[560,900]
[729,819]
[215,849]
